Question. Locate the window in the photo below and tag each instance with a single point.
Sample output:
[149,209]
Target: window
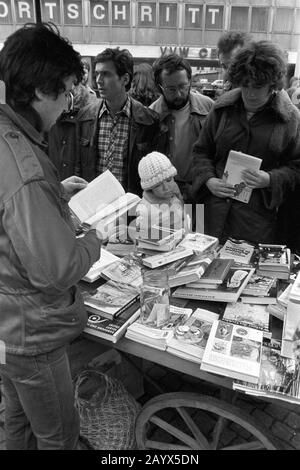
[239,19]
[259,22]
[283,20]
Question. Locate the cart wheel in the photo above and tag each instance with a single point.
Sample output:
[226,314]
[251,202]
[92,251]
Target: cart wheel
[185,421]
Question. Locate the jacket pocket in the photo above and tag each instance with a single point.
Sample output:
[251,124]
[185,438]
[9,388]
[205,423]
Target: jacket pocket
[84,145]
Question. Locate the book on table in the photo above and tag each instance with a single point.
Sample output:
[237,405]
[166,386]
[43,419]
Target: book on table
[238,250]
[260,290]
[229,291]
[102,200]
[275,259]
[155,334]
[106,258]
[192,270]
[162,259]
[190,337]
[279,376]
[251,315]
[236,163]
[161,238]
[199,242]
[110,299]
[233,351]
[126,270]
[112,329]
[215,273]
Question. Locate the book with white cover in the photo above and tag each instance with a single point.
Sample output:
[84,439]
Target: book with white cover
[236,163]
[228,291]
[199,242]
[102,199]
[106,258]
[190,338]
[126,270]
[233,351]
[191,272]
[165,258]
[254,316]
[238,250]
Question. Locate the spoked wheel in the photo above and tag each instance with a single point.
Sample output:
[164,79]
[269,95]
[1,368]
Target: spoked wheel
[185,421]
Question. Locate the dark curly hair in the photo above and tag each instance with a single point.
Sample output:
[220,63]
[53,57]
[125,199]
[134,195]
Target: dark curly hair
[37,57]
[122,60]
[259,63]
[143,87]
[231,39]
[171,63]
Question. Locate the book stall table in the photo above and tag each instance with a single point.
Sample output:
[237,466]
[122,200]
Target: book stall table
[189,435]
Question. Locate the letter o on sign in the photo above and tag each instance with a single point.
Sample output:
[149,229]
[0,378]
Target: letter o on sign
[203,53]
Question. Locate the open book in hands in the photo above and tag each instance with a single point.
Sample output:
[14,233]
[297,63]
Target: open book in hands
[102,201]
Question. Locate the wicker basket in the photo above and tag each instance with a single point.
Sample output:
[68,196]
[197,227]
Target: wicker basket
[107,418]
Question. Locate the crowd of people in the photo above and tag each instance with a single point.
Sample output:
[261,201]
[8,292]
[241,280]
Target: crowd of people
[161,141]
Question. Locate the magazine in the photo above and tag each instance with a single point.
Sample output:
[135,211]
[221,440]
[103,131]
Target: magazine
[234,351]
[190,338]
[236,163]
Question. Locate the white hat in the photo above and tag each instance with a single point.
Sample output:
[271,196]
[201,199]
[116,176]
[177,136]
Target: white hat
[154,168]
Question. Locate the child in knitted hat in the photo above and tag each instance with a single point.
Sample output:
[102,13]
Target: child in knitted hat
[162,203]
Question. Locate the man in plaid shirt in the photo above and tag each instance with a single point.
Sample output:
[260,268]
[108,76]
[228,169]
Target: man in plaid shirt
[114,133]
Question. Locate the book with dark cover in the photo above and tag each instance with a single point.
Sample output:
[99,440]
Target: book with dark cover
[113,329]
[228,291]
[110,299]
[216,271]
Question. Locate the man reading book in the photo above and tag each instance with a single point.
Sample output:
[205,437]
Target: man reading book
[41,259]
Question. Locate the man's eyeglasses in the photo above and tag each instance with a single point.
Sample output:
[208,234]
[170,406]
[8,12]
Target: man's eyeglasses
[174,89]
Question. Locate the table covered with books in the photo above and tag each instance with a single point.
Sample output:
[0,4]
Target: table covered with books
[231,323]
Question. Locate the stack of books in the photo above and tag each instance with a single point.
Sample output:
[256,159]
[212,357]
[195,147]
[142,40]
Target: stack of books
[234,351]
[229,291]
[191,269]
[106,258]
[214,274]
[199,243]
[190,337]
[154,335]
[274,260]
[260,290]
[162,259]
[279,309]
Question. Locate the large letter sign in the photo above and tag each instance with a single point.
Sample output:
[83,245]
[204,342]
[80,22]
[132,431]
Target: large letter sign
[214,17]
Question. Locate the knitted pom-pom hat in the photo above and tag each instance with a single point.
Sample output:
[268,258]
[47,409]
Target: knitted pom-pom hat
[154,168]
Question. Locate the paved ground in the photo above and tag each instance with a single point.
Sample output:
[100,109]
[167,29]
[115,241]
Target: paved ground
[282,423]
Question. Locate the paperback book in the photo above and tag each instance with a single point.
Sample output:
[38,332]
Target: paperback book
[110,299]
[191,271]
[112,330]
[106,258]
[156,336]
[199,242]
[160,238]
[275,259]
[260,290]
[229,291]
[165,258]
[103,199]
[251,315]
[279,376]
[126,270]
[233,351]
[190,337]
[236,163]
[216,272]
[238,250]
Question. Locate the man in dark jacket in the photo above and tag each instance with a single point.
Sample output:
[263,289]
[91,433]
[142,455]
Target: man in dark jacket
[114,133]
[181,114]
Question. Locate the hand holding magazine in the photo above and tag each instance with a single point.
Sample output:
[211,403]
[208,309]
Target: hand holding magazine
[103,199]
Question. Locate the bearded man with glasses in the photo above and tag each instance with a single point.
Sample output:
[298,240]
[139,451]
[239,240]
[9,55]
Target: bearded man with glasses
[181,113]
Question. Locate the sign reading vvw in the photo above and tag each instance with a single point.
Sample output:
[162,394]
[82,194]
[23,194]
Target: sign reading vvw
[115,13]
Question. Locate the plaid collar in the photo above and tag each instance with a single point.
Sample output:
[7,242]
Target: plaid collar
[125,110]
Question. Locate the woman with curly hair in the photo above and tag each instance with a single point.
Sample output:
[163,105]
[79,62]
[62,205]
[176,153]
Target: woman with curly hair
[258,119]
[143,87]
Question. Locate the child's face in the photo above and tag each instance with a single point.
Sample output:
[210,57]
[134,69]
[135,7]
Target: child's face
[164,190]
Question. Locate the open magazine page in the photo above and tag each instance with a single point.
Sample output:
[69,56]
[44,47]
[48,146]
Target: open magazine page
[97,195]
[234,351]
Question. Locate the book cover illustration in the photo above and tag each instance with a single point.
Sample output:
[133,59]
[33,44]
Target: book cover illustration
[110,298]
[273,256]
[236,163]
[251,315]
[259,285]
[239,250]
[126,270]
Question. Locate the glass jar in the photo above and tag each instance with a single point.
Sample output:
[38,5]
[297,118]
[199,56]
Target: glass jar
[155,297]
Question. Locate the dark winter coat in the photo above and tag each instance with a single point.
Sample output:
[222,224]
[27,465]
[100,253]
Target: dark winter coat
[272,134]
[73,142]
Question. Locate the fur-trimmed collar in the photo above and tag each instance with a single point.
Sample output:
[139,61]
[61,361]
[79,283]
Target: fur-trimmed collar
[280,103]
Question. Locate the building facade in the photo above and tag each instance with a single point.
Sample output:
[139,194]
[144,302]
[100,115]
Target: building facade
[155,27]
